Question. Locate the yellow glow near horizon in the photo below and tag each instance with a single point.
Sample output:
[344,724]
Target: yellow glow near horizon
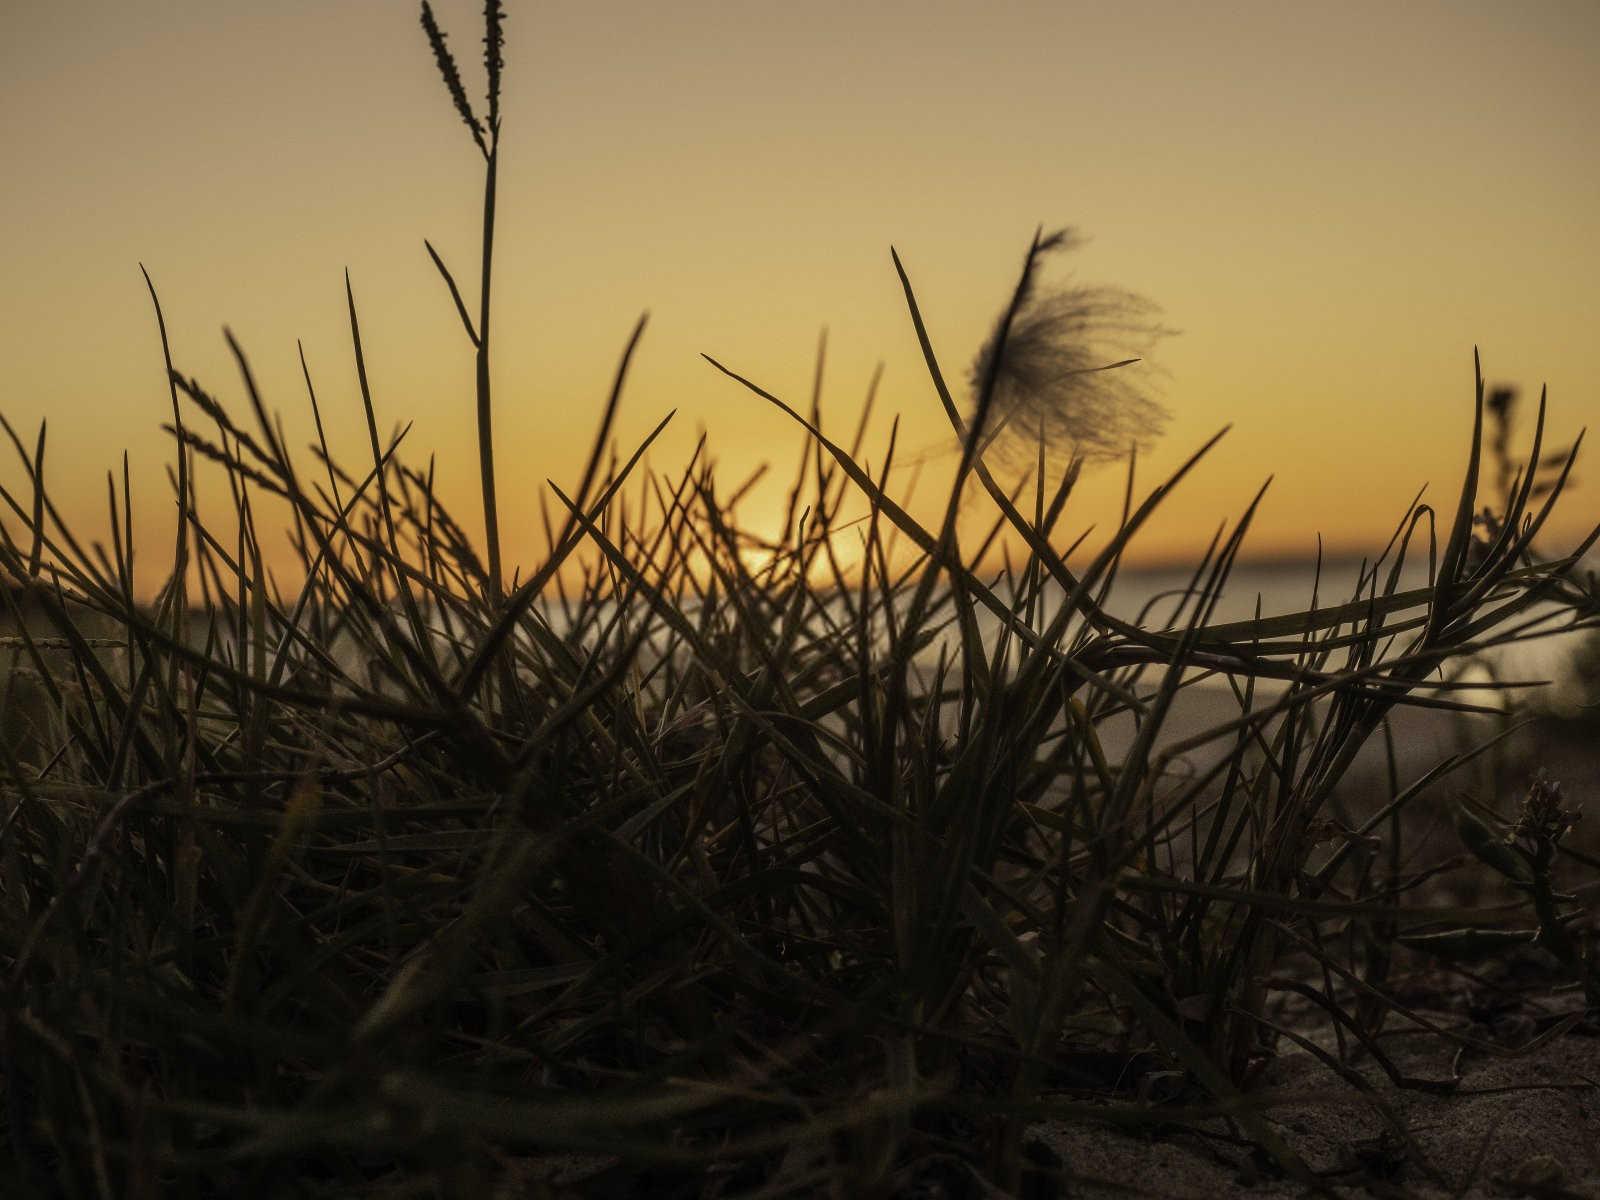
[1333,205]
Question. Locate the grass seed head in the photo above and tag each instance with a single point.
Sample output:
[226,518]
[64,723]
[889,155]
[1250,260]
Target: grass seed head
[1068,371]
[493,60]
[451,74]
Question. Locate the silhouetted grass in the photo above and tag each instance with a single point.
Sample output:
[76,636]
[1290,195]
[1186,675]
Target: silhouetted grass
[789,878]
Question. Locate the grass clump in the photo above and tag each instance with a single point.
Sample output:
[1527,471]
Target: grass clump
[729,865]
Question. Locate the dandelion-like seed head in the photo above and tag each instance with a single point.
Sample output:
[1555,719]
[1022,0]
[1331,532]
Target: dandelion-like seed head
[1069,370]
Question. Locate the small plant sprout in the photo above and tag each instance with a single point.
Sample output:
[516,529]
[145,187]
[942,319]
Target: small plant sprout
[1525,855]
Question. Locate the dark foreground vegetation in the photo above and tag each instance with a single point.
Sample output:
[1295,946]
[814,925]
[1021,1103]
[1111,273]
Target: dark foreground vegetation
[716,867]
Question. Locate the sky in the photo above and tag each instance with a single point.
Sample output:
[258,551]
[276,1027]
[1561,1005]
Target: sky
[1333,204]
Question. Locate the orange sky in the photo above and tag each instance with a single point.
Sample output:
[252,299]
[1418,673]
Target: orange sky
[1333,203]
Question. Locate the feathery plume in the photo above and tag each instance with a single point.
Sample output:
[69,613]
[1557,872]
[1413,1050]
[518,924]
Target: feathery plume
[1062,373]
